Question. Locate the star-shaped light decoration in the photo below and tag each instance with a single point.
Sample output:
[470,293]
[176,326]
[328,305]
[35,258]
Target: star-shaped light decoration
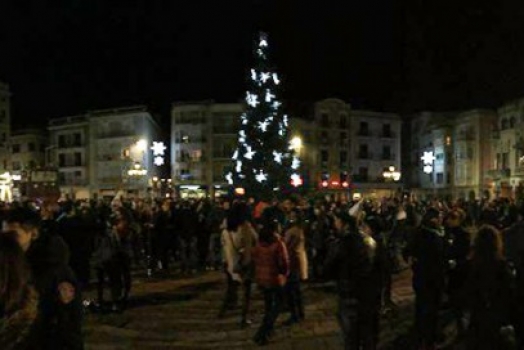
[296,180]
[158,161]
[285,119]
[295,164]
[250,153]
[428,158]
[428,169]
[275,78]
[158,148]
[235,155]
[276,104]
[278,157]
[261,177]
[243,118]
[242,136]
[254,74]
[265,76]
[263,43]
[269,96]
[238,167]
[263,125]
[252,99]
[229,178]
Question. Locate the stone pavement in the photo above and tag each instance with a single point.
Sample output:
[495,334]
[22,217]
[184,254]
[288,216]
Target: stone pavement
[181,313]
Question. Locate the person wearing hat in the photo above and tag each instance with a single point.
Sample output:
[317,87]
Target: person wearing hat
[428,258]
[348,262]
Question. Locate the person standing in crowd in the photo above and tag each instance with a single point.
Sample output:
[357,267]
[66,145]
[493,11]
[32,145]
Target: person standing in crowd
[459,249]
[18,298]
[298,266]
[489,291]
[230,257]
[245,239]
[429,264]
[122,257]
[271,261]
[348,262]
[163,235]
[514,251]
[60,311]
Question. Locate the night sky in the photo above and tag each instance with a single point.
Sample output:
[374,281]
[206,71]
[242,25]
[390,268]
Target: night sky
[63,57]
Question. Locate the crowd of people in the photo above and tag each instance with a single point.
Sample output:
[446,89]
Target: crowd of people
[466,258]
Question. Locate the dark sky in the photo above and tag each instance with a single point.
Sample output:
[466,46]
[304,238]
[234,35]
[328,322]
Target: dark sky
[66,56]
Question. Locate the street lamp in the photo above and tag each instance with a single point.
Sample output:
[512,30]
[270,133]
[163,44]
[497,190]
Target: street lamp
[296,143]
[391,174]
[141,145]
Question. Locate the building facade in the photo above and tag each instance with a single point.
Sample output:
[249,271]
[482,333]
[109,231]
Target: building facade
[5,125]
[103,152]
[203,139]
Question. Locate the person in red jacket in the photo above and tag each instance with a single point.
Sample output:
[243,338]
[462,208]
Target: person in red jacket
[271,261]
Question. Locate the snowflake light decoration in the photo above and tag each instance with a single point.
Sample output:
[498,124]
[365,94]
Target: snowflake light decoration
[265,77]
[238,167]
[269,96]
[229,178]
[158,148]
[254,74]
[278,157]
[250,153]
[252,99]
[261,177]
[158,161]
[263,125]
[295,164]
[275,79]
[235,155]
[263,43]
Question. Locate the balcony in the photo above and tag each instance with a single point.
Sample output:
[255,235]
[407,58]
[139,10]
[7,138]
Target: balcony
[519,171]
[496,174]
[364,133]
[386,156]
[116,134]
[388,135]
[69,144]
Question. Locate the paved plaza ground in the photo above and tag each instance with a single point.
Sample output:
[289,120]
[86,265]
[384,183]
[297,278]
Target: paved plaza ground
[181,313]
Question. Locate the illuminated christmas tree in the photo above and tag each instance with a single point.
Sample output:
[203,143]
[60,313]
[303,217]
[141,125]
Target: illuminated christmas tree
[263,162]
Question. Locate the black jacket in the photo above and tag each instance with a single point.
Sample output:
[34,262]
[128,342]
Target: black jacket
[59,325]
[349,263]
[428,251]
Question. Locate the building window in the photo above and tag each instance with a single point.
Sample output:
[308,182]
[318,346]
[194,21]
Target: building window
[77,139]
[324,156]
[61,160]
[42,148]
[16,148]
[363,152]
[31,147]
[364,129]
[78,159]
[324,120]
[78,174]
[386,152]
[363,173]
[440,178]
[17,166]
[386,130]
[343,139]
[343,158]
[343,121]
[324,137]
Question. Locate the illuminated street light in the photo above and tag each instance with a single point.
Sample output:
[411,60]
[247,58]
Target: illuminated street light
[141,145]
[295,143]
[392,174]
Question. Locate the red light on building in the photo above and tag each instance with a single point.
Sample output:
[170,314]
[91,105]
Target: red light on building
[325,184]
[335,183]
[345,184]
